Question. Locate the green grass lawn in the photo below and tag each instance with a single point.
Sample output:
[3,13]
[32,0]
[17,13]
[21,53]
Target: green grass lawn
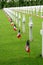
[12,49]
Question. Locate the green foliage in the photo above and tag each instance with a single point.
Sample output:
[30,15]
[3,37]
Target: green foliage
[14,3]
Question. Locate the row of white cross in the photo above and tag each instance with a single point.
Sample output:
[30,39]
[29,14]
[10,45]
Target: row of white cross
[12,15]
[18,17]
[30,9]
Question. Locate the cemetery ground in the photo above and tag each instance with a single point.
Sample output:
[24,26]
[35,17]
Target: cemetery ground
[12,49]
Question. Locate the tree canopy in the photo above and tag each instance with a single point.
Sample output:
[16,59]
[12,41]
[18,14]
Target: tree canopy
[16,3]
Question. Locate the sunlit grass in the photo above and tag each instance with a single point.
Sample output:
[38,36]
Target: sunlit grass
[12,49]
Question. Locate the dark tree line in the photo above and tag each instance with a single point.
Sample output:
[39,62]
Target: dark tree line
[14,3]
[30,2]
[11,3]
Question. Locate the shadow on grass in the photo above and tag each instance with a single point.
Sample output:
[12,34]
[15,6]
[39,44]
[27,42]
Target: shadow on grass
[23,61]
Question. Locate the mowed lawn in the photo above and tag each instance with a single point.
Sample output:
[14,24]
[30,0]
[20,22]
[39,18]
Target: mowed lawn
[12,49]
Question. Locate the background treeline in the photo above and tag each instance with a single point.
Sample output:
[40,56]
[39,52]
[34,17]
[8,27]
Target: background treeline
[16,3]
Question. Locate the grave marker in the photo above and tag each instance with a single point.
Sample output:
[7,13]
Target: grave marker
[41,32]
[30,29]
[23,24]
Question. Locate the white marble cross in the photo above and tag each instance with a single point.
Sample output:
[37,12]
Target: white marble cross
[30,29]
[41,12]
[41,32]
[16,18]
[19,20]
[23,23]
[37,11]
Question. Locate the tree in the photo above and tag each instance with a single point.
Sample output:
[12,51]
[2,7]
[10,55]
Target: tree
[16,3]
